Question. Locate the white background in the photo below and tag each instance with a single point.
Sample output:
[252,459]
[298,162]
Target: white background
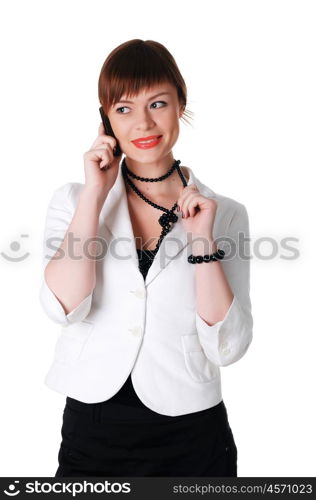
[250,71]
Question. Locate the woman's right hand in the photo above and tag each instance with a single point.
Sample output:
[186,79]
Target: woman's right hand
[100,156]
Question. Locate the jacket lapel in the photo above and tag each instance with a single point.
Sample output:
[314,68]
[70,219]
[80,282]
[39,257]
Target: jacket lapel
[116,218]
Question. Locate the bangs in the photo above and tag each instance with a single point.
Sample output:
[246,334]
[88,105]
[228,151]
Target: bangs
[123,84]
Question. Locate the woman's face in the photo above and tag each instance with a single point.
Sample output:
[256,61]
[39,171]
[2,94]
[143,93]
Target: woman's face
[147,114]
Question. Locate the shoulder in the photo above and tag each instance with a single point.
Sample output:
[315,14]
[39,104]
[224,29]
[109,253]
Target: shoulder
[67,194]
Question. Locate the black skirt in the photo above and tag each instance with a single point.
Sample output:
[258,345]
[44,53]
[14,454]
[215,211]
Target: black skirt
[123,437]
[112,439]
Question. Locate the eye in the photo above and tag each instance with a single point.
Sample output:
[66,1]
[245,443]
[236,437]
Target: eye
[122,107]
[126,107]
[163,102]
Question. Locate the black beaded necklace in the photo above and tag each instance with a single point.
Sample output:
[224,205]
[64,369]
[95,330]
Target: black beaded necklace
[169,216]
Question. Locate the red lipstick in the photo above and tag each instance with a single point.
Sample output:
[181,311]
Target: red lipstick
[142,143]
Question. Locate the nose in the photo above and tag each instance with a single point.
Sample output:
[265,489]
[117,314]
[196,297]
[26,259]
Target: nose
[144,120]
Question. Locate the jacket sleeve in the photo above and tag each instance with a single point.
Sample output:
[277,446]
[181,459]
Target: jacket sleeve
[227,341]
[58,218]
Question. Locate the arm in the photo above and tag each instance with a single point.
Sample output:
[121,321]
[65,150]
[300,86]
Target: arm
[213,293]
[70,275]
[223,317]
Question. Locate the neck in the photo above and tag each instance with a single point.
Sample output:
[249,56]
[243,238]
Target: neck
[167,188]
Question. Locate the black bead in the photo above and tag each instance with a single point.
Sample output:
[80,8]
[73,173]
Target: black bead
[219,254]
[207,258]
[197,259]
[163,219]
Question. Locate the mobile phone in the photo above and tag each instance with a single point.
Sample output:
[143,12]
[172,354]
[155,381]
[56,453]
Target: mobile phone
[108,130]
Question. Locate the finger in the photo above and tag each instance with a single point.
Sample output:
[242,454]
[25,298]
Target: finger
[105,166]
[189,204]
[104,148]
[101,156]
[105,152]
[191,187]
[193,207]
[184,194]
[104,139]
[184,202]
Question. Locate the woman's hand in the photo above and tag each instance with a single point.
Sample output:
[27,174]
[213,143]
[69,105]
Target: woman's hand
[198,211]
[100,156]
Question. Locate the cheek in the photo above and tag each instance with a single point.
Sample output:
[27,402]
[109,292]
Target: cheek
[171,126]
[123,133]
[175,132]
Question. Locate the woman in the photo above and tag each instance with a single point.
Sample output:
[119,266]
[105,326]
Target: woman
[151,314]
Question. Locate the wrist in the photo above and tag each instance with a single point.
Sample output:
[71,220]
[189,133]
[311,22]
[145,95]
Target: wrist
[202,245]
[94,194]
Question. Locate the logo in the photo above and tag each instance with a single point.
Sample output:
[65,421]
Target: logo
[13,492]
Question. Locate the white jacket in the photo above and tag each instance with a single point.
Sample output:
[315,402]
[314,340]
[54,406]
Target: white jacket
[150,328]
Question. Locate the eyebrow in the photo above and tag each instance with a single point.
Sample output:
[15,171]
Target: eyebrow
[152,97]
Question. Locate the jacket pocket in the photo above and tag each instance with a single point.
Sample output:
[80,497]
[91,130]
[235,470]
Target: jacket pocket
[198,365]
[72,341]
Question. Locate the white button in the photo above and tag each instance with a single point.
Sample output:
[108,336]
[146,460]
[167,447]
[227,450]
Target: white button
[140,293]
[226,351]
[136,330]
[224,347]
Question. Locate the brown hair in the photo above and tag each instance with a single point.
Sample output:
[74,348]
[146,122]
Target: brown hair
[136,65]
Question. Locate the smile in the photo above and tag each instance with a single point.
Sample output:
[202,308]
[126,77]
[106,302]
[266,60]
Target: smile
[146,144]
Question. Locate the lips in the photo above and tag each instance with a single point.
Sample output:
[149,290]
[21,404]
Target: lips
[147,142]
[146,138]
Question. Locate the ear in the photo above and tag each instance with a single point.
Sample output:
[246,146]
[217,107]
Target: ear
[181,110]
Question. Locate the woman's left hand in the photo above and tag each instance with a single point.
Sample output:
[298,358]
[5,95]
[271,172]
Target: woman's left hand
[199,212]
